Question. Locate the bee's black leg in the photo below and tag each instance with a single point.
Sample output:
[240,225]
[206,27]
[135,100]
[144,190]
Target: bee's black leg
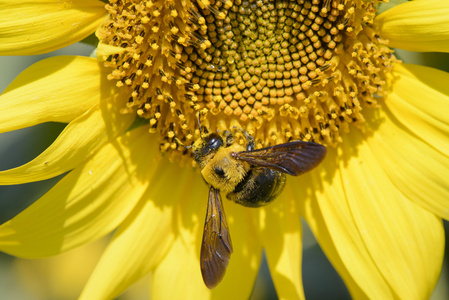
[250,145]
[229,138]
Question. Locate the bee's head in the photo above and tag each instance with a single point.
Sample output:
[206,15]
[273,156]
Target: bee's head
[207,146]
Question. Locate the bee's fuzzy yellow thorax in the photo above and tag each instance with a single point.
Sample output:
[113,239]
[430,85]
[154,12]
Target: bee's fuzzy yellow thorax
[233,171]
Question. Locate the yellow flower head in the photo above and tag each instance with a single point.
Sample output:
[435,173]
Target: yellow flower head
[209,84]
[284,70]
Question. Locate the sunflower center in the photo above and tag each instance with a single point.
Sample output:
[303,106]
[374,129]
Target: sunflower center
[282,70]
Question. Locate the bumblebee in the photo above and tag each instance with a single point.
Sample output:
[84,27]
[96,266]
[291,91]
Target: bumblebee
[248,176]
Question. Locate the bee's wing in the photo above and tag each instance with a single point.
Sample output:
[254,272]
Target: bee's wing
[294,158]
[216,247]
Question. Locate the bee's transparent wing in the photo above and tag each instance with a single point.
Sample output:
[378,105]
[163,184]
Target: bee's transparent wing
[294,158]
[216,247]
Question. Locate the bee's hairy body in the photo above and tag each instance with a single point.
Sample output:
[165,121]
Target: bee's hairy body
[241,182]
[259,187]
[247,176]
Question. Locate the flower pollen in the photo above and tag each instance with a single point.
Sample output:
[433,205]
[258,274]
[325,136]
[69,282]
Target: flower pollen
[283,70]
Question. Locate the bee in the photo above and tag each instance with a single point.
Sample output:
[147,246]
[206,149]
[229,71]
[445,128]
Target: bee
[248,176]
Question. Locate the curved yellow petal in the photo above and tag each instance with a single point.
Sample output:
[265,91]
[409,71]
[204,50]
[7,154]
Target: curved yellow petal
[417,169]
[180,268]
[416,26]
[77,142]
[383,245]
[178,276]
[36,26]
[282,239]
[56,89]
[143,239]
[405,241]
[326,211]
[87,203]
[420,101]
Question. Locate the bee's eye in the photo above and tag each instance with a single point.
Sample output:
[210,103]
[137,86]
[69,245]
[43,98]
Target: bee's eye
[215,141]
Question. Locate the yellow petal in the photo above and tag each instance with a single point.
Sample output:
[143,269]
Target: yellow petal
[416,25]
[420,101]
[57,89]
[331,221]
[77,142]
[178,276]
[180,268]
[416,168]
[87,203]
[143,239]
[388,245]
[35,26]
[404,240]
[282,239]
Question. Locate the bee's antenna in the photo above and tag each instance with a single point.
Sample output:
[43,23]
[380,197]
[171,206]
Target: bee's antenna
[180,143]
[199,122]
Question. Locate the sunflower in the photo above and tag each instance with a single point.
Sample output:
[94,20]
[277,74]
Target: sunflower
[312,70]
